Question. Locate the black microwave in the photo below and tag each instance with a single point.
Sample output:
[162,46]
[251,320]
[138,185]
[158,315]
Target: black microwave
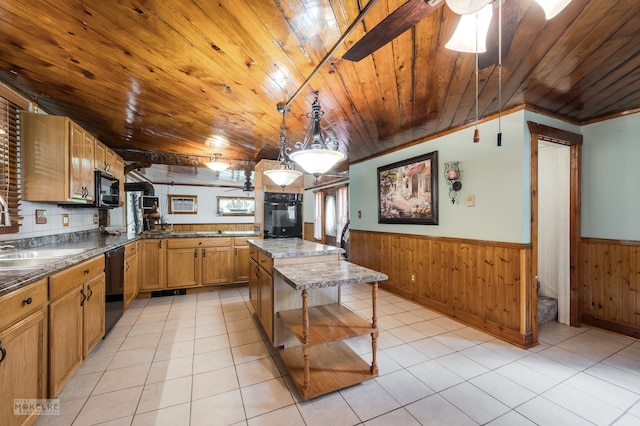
[107,191]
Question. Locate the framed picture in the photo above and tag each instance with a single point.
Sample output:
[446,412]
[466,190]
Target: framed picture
[183,204]
[236,206]
[408,191]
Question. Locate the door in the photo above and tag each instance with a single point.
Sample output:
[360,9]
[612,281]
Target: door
[23,369]
[216,265]
[93,313]
[151,264]
[65,339]
[241,264]
[183,267]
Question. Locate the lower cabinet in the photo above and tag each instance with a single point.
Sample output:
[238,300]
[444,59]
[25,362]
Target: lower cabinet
[23,351]
[152,260]
[76,318]
[241,260]
[131,272]
[261,291]
[194,262]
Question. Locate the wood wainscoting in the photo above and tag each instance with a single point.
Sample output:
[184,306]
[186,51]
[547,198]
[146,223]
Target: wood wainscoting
[484,284]
[610,285]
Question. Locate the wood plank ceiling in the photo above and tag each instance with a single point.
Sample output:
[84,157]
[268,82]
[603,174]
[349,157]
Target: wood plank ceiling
[191,77]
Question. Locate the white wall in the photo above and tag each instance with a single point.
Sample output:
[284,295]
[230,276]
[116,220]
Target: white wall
[611,179]
[207,203]
[497,177]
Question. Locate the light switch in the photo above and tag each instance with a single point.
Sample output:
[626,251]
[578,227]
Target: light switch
[470,200]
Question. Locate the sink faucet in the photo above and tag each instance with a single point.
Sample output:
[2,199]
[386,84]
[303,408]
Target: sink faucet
[5,218]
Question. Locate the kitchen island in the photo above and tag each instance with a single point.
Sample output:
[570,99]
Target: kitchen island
[305,317]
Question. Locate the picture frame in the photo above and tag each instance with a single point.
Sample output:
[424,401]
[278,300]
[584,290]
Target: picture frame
[408,191]
[183,204]
[235,206]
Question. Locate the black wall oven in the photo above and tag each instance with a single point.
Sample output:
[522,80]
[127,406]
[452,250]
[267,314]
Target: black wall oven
[282,215]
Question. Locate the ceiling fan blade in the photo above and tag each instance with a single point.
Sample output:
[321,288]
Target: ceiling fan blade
[403,18]
[510,15]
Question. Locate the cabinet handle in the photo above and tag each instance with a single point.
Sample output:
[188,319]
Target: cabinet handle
[90,292]
[204,252]
[160,244]
[126,264]
[86,271]
[195,253]
[3,353]
[84,297]
[27,301]
[236,251]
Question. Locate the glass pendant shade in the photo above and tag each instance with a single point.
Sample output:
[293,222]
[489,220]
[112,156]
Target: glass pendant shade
[283,177]
[216,165]
[316,161]
[470,35]
[552,7]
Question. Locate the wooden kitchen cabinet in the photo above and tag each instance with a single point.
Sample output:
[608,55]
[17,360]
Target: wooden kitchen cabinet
[76,318]
[57,160]
[241,259]
[195,262]
[261,290]
[105,159]
[23,350]
[131,272]
[152,261]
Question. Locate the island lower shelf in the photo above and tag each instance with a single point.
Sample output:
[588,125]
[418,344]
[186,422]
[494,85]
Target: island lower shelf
[333,366]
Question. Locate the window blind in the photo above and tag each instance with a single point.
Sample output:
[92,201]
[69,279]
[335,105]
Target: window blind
[10,163]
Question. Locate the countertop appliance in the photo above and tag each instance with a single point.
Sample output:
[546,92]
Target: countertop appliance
[114,289]
[282,215]
[107,191]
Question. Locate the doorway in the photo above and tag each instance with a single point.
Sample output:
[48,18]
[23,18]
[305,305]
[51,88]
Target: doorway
[557,137]
[553,232]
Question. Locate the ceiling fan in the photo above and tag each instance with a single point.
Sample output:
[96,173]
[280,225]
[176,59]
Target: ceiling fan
[248,185]
[414,11]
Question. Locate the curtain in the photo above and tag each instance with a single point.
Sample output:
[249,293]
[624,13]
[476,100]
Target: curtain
[330,215]
[342,210]
[317,224]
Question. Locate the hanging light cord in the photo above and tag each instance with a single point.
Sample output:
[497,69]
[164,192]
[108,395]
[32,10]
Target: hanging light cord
[499,72]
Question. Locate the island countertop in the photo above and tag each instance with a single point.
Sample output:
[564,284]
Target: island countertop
[327,274]
[278,248]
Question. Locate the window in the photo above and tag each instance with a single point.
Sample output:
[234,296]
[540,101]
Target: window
[9,162]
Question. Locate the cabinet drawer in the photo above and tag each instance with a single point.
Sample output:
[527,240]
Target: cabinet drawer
[265,262]
[240,241]
[20,303]
[198,242]
[130,249]
[64,281]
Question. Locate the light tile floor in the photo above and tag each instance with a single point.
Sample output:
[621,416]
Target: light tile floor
[202,360]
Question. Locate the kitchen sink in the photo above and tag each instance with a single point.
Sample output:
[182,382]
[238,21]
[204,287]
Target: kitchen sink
[33,258]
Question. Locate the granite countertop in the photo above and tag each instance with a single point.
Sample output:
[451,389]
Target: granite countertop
[94,245]
[278,248]
[327,274]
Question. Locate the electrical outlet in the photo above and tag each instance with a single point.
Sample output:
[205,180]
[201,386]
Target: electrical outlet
[95,218]
[413,278]
[65,220]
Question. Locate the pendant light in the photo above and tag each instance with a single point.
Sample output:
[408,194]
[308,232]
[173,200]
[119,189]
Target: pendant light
[216,164]
[317,154]
[470,35]
[552,7]
[285,173]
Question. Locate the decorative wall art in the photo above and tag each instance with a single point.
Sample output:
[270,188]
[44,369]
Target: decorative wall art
[236,206]
[408,191]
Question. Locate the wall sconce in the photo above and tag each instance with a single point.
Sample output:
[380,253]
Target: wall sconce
[452,175]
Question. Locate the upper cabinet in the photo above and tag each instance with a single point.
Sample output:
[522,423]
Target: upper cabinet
[58,159]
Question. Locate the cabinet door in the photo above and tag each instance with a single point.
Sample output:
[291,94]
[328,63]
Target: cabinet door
[266,302]
[183,267]
[76,163]
[100,156]
[241,264]
[152,265]
[65,339]
[131,273]
[24,367]
[254,285]
[93,313]
[216,265]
